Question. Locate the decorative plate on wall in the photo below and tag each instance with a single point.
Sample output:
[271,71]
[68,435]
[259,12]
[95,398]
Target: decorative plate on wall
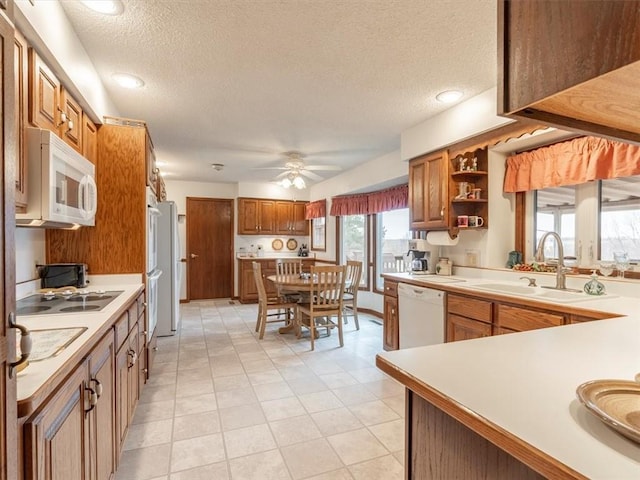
[292,244]
[277,244]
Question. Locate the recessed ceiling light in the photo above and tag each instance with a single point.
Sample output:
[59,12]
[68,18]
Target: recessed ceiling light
[449,96]
[127,81]
[107,7]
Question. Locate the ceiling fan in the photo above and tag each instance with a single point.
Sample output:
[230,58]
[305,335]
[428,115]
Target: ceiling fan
[295,169]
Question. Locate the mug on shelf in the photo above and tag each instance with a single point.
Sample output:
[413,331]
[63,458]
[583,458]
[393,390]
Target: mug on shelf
[463,221]
[475,221]
[476,193]
[464,189]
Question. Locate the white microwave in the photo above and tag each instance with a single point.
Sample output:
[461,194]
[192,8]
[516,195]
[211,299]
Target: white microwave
[61,189]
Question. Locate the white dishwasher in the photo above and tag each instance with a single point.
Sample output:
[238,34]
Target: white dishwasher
[421,319]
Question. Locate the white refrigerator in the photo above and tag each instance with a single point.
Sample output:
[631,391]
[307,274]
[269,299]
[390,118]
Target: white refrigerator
[169,263]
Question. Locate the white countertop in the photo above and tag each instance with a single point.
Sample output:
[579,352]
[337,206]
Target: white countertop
[525,383]
[36,374]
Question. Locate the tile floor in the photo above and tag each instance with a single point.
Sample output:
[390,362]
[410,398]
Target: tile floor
[224,405]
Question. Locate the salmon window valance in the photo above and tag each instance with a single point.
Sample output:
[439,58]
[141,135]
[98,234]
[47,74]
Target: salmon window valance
[569,163]
[373,202]
[317,209]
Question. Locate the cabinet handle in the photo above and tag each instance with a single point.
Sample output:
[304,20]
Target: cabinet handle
[25,343]
[98,388]
[193,255]
[133,358]
[442,212]
[93,399]
[155,349]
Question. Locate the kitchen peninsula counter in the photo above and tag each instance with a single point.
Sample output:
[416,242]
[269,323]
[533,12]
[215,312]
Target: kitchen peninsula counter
[506,407]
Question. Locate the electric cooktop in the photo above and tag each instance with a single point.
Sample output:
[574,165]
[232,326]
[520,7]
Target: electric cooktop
[65,302]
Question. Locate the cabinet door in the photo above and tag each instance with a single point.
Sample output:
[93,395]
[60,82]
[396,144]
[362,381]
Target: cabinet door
[248,222]
[300,223]
[102,426]
[44,94]
[284,218]
[248,289]
[56,439]
[71,128]
[461,328]
[89,139]
[21,69]
[122,397]
[391,338]
[436,200]
[523,319]
[267,216]
[134,372]
[417,188]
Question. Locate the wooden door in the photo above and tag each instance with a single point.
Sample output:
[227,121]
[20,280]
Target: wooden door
[391,340]
[248,221]
[300,223]
[89,139]
[209,248]
[436,206]
[8,404]
[267,215]
[122,397]
[417,187]
[461,328]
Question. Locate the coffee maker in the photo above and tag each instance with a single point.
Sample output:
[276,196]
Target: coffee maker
[419,256]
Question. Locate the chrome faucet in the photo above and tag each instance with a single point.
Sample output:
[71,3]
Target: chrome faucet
[561,270]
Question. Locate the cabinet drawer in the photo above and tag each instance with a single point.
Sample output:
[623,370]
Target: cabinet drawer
[521,319]
[391,288]
[122,330]
[141,305]
[469,307]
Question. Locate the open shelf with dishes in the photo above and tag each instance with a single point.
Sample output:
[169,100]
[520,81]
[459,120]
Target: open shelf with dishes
[468,189]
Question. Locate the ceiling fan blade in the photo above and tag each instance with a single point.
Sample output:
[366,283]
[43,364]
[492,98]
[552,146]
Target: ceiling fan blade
[311,175]
[270,168]
[326,168]
[283,174]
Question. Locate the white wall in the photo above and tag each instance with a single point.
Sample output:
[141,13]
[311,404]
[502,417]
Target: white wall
[30,250]
[464,120]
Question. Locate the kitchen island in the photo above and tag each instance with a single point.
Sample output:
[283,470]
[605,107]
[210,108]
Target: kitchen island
[505,406]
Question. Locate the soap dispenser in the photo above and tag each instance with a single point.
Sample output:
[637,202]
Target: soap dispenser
[594,286]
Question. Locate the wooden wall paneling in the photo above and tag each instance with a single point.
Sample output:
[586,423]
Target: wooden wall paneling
[442,447]
[117,243]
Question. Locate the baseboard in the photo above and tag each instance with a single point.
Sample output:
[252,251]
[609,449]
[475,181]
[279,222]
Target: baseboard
[373,313]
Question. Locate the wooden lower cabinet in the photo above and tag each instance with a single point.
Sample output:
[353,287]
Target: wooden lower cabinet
[56,439]
[390,318]
[391,333]
[518,319]
[127,385]
[102,420]
[461,328]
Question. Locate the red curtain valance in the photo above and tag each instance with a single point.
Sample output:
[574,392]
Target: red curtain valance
[317,209]
[569,163]
[389,199]
[373,202]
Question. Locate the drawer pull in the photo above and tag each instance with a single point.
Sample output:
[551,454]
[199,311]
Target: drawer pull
[93,399]
[25,343]
[133,358]
[98,388]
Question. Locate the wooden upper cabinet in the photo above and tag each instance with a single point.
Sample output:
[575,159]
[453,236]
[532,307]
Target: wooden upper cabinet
[152,171]
[290,218]
[256,216]
[571,64]
[71,122]
[21,77]
[44,94]
[428,190]
[267,216]
[89,139]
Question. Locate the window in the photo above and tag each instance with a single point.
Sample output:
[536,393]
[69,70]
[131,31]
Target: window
[354,242]
[555,211]
[392,234]
[619,202]
[318,234]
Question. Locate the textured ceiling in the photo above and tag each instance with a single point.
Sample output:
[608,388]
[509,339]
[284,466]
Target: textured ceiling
[240,82]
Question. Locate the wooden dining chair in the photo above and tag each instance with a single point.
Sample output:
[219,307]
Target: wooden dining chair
[288,266]
[350,297]
[285,310]
[325,302]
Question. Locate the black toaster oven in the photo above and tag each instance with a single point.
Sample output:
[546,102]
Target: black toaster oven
[56,275]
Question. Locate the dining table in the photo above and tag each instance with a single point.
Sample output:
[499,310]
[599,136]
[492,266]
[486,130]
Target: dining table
[294,283]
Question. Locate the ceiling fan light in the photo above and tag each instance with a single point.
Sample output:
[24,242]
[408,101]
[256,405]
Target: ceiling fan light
[298,182]
[285,183]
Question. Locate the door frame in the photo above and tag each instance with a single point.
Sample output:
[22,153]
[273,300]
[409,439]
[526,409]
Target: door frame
[232,249]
